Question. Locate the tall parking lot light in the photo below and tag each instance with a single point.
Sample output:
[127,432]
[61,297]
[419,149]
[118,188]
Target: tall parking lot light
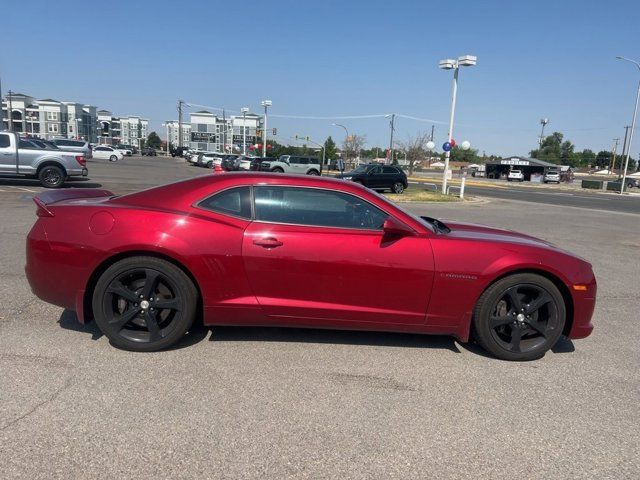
[633,125]
[450,64]
[346,139]
[244,111]
[266,104]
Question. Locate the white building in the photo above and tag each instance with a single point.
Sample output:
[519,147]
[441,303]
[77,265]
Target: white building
[48,118]
[211,133]
[133,129]
[172,133]
[124,130]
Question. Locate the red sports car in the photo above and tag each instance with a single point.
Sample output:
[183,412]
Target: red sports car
[265,249]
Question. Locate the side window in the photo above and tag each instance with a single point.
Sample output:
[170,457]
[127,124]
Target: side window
[389,170]
[375,170]
[26,144]
[316,207]
[235,202]
[4,141]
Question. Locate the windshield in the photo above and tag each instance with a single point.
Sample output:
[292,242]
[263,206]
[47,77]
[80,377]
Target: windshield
[362,169]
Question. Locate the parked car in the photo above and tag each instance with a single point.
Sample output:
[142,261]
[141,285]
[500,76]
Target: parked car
[25,158]
[244,163]
[179,151]
[150,152]
[126,151]
[379,177]
[74,146]
[257,161]
[374,265]
[105,152]
[292,164]
[515,176]
[552,176]
[630,182]
[209,159]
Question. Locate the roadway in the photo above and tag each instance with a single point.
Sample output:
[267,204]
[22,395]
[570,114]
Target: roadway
[550,195]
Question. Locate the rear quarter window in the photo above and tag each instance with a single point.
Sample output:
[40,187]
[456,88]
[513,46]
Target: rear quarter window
[4,141]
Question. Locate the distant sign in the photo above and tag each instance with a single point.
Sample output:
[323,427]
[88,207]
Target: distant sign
[203,137]
[514,161]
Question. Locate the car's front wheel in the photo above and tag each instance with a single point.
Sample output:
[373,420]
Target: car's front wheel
[144,304]
[277,170]
[397,187]
[113,158]
[519,317]
[51,176]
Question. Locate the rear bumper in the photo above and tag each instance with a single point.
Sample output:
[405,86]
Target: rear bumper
[77,172]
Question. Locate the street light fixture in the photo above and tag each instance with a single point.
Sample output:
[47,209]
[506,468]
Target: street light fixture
[266,104]
[244,111]
[543,122]
[346,138]
[633,125]
[450,64]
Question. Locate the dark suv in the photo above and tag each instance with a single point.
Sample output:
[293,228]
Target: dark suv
[379,177]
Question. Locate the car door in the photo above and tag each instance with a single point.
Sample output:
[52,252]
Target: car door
[322,254]
[389,176]
[374,177]
[8,163]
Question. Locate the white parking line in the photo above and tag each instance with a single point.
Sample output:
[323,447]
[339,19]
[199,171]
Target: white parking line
[25,189]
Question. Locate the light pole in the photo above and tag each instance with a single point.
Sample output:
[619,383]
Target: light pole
[450,64]
[78,129]
[633,125]
[266,104]
[346,139]
[244,111]
[543,122]
[166,124]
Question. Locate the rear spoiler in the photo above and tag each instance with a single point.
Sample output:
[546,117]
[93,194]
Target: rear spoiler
[43,200]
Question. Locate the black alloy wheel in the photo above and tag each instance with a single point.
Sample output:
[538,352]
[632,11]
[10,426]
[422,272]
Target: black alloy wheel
[144,303]
[520,317]
[113,158]
[397,187]
[51,176]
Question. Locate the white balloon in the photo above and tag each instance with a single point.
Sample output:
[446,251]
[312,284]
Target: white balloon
[430,145]
[466,145]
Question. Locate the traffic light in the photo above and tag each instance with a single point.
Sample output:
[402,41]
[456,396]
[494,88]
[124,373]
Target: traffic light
[275,131]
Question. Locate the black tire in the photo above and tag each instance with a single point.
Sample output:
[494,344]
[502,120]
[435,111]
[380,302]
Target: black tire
[313,172]
[397,188]
[113,158]
[519,317]
[52,176]
[210,164]
[155,321]
[277,170]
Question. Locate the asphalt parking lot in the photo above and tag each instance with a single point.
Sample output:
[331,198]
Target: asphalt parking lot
[287,403]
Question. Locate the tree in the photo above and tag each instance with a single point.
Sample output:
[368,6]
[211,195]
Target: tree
[460,155]
[550,150]
[587,157]
[153,141]
[353,144]
[330,149]
[415,149]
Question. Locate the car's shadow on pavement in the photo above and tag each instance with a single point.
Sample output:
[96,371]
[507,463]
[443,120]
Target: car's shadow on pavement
[32,182]
[337,337]
[69,321]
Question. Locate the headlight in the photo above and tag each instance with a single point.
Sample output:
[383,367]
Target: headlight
[347,178]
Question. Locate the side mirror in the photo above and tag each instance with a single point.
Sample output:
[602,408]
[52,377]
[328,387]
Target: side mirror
[392,226]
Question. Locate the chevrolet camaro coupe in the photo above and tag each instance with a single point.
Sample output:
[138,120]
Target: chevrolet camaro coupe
[296,251]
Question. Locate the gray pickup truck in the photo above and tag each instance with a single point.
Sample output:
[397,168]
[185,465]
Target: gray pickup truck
[20,157]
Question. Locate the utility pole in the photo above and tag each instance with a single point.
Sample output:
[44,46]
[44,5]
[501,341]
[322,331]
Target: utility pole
[393,118]
[612,162]
[432,129]
[180,102]
[543,122]
[9,112]
[624,144]
[244,111]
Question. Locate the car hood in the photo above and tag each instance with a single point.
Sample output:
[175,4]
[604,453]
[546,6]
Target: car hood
[473,231]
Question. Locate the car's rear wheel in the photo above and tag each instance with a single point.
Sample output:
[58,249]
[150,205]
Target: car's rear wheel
[113,158]
[144,304]
[397,187]
[519,317]
[51,176]
[313,172]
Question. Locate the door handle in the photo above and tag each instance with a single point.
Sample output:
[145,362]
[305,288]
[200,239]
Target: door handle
[268,242]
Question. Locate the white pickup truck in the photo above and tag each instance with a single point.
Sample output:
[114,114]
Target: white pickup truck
[22,157]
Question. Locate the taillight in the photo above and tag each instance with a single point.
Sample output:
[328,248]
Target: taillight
[81,160]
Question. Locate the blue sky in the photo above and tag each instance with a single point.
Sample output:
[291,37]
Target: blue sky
[552,59]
